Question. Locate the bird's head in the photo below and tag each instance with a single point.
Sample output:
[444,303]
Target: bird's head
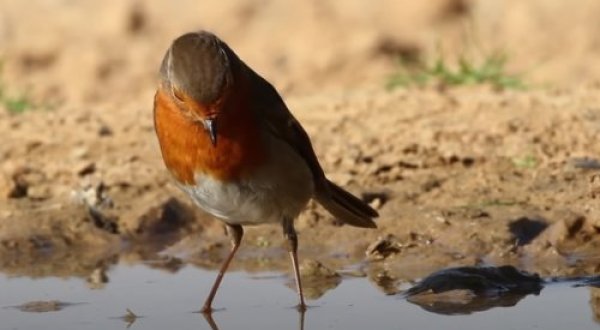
[198,72]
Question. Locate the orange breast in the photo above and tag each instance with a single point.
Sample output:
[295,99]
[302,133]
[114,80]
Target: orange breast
[186,147]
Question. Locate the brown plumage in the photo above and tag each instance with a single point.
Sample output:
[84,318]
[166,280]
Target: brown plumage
[232,144]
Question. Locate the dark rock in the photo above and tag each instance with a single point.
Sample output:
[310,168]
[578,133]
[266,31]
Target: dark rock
[464,290]
[383,248]
[480,281]
[526,229]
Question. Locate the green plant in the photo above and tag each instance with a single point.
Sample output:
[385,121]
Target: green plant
[525,162]
[13,104]
[16,105]
[492,70]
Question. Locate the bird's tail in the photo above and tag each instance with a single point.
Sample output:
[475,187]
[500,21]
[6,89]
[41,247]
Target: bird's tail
[345,206]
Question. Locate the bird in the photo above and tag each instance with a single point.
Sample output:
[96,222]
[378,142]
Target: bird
[230,142]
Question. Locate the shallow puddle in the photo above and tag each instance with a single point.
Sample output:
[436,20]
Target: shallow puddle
[165,300]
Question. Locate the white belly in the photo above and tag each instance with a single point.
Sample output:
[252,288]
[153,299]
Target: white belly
[279,189]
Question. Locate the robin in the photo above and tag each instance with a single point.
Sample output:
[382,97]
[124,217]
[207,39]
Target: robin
[233,146]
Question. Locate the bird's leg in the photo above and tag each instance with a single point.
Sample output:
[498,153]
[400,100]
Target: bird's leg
[292,246]
[235,233]
[301,313]
[211,322]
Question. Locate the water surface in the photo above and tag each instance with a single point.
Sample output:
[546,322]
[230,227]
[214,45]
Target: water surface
[166,300]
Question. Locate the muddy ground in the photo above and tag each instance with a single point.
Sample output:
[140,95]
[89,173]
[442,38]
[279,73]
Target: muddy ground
[462,175]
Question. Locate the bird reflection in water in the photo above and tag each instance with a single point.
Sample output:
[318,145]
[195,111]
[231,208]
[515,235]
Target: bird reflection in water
[213,325]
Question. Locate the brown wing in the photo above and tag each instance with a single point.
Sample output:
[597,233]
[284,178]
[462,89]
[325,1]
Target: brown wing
[282,124]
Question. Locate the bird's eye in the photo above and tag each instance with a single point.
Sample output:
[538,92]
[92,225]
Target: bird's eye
[178,95]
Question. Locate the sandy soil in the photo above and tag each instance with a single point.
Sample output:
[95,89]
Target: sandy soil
[461,176]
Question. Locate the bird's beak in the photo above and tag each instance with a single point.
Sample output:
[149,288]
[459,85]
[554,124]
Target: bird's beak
[210,124]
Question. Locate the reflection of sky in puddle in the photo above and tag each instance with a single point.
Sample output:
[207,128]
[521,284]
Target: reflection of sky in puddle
[166,301]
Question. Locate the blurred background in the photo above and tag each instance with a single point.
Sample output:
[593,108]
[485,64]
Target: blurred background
[66,51]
